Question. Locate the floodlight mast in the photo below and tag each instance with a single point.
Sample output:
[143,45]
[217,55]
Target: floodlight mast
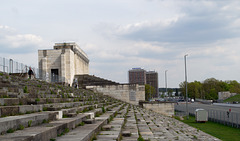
[185,61]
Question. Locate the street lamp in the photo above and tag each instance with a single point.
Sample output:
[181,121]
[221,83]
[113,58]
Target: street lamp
[166,80]
[185,61]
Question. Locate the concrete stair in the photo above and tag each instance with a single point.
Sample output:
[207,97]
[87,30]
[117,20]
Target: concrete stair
[36,110]
[89,131]
[33,110]
[113,130]
[51,130]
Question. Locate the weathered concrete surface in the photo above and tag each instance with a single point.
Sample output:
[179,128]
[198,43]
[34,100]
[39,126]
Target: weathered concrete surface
[16,110]
[9,101]
[13,122]
[46,131]
[161,108]
[129,93]
[67,58]
[88,130]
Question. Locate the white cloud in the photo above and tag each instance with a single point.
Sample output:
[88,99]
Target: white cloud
[117,35]
[13,42]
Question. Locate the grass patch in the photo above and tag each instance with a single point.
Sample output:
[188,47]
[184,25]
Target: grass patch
[10,130]
[220,131]
[103,109]
[233,99]
[25,90]
[81,124]
[29,123]
[21,127]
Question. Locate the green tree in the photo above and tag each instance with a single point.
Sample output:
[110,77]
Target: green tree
[149,91]
[234,87]
[209,88]
[194,89]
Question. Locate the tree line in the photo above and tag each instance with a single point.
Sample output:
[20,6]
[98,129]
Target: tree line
[209,88]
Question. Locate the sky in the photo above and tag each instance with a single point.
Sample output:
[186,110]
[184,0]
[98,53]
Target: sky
[118,35]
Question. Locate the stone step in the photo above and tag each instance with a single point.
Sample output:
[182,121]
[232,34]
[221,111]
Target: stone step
[18,110]
[114,128]
[130,129]
[14,122]
[88,131]
[46,131]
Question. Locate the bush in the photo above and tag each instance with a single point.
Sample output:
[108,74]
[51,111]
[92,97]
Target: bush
[81,124]
[25,90]
[103,109]
[21,127]
[66,130]
[37,100]
[140,138]
[10,130]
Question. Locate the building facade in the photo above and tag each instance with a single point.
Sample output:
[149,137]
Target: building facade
[62,63]
[152,79]
[142,77]
[137,76]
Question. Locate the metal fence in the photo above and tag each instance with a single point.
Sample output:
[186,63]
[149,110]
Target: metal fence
[11,66]
[223,117]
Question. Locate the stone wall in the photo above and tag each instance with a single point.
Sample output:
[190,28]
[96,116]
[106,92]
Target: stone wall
[165,108]
[129,93]
[225,95]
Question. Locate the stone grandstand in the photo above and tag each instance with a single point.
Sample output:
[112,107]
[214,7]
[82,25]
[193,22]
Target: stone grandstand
[34,110]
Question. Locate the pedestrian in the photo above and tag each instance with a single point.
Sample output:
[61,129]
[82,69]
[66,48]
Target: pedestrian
[30,73]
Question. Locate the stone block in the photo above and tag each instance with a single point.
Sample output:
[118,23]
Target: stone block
[30,108]
[106,127]
[53,116]
[12,94]
[89,121]
[9,101]
[53,108]
[70,115]
[9,110]
[126,133]
[22,101]
[53,100]
[59,115]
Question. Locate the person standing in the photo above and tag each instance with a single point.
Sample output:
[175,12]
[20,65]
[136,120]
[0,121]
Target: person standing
[30,73]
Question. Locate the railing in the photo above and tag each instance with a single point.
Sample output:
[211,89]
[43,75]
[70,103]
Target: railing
[11,66]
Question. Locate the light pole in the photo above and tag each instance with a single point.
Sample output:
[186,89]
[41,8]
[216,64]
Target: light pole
[150,92]
[166,80]
[185,61]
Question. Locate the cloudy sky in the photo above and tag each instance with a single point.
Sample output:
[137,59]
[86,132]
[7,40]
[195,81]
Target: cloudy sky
[119,35]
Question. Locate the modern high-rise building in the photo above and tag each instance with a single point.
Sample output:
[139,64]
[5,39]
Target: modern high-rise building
[137,76]
[141,76]
[152,79]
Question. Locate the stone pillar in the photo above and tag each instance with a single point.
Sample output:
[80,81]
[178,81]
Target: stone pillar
[63,69]
[45,74]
